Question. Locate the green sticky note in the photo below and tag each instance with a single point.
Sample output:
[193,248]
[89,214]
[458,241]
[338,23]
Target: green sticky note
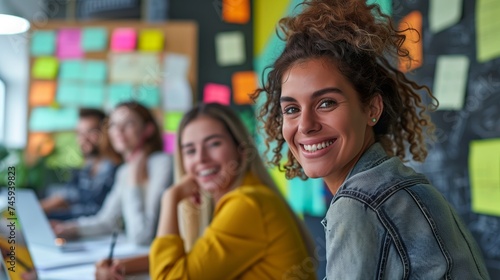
[118,93]
[151,40]
[68,93]
[43,43]
[92,96]
[148,95]
[71,70]
[444,13]
[172,120]
[94,39]
[385,5]
[95,71]
[230,48]
[484,170]
[487,29]
[248,119]
[45,68]
[50,119]
[66,153]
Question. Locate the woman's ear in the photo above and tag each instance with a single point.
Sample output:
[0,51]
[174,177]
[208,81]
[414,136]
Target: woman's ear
[375,109]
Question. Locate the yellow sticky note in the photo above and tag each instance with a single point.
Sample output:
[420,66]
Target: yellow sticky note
[413,42]
[484,173]
[172,120]
[45,68]
[244,83]
[450,81]
[487,29]
[42,93]
[151,40]
[236,11]
[280,180]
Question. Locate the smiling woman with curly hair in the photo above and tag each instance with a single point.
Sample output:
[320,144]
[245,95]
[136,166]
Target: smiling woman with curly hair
[350,116]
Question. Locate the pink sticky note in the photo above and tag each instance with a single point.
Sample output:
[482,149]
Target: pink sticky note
[217,93]
[169,143]
[68,43]
[123,40]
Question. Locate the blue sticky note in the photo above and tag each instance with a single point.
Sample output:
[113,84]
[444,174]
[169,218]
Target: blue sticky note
[95,71]
[307,196]
[92,96]
[71,70]
[50,119]
[385,5]
[94,39]
[43,43]
[68,93]
[148,95]
[118,93]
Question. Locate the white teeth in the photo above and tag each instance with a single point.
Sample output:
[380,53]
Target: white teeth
[315,147]
[207,172]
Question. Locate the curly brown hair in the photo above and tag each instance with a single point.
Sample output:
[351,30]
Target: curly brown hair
[363,44]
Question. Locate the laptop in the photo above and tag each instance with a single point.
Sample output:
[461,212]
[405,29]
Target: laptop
[37,226]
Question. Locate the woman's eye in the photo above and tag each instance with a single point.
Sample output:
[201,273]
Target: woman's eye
[290,110]
[189,152]
[327,104]
[214,144]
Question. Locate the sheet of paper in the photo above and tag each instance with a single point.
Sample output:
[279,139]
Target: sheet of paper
[69,44]
[67,153]
[487,29]
[45,68]
[71,70]
[69,93]
[147,95]
[40,144]
[94,39]
[444,13]
[176,65]
[244,83]
[42,93]
[43,43]
[172,120]
[136,68]
[484,173]
[95,71]
[123,40]
[177,94]
[118,93]
[450,81]
[413,42]
[169,139]
[50,119]
[230,48]
[92,95]
[385,5]
[217,93]
[122,68]
[151,40]
[236,11]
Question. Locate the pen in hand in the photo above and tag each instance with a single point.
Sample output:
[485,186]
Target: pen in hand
[113,242]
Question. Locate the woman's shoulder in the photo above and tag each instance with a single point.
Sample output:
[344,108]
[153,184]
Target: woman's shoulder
[159,157]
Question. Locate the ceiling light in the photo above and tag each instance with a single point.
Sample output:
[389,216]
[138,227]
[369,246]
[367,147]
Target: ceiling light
[13,25]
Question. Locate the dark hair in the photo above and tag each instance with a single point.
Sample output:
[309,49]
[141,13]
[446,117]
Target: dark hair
[92,113]
[363,44]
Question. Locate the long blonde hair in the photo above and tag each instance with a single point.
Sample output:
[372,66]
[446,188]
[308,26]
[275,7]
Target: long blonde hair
[194,219]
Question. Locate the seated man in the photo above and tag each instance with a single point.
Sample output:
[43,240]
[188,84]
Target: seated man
[85,193]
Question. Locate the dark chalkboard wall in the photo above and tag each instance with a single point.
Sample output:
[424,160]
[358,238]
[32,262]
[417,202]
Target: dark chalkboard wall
[447,163]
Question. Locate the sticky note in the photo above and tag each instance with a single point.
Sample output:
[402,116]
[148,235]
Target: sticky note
[451,81]
[230,48]
[444,13]
[122,67]
[94,39]
[123,40]
[40,144]
[69,44]
[45,68]
[68,93]
[385,5]
[147,95]
[169,142]
[248,118]
[42,93]
[172,120]
[67,154]
[95,71]
[177,94]
[92,95]
[217,93]
[71,70]
[413,42]
[236,11]
[280,180]
[118,93]
[43,43]
[50,119]
[487,29]
[484,166]
[244,83]
[143,68]
[306,197]
[176,65]
[151,40]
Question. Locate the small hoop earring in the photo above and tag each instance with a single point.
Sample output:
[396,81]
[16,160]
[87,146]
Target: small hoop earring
[374,120]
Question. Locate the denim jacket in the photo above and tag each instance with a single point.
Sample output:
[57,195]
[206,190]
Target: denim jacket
[388,222]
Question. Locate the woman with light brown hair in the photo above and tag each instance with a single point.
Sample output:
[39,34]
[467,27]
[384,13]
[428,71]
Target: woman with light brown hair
[350,116]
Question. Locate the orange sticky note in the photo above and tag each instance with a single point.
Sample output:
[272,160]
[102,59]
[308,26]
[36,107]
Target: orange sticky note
[40,144]
[413,42]
[244,83]
[236,11]
[42,93]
